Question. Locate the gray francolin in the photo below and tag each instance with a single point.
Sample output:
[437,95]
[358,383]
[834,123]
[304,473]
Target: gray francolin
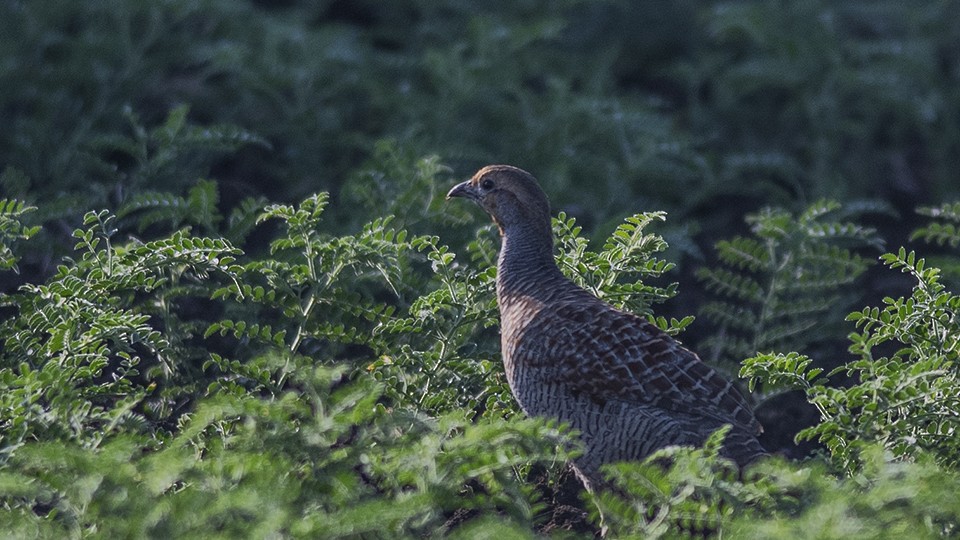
[625,385]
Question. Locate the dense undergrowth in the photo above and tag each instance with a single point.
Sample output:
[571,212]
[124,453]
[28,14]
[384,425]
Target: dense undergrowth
[340,385]
[234,304]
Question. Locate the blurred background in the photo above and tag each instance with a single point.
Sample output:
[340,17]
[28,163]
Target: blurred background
[705,109]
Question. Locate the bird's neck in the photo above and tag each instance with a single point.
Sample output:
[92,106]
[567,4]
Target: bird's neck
[526,260]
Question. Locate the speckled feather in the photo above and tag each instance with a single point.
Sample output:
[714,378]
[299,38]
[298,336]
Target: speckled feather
[628,387]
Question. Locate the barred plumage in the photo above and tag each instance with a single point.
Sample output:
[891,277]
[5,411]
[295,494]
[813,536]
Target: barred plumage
[628,387]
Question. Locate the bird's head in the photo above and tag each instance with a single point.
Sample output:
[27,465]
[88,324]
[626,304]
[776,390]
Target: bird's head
[510,195]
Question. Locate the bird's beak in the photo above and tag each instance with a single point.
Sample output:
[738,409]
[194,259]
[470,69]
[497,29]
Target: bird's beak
[463,189]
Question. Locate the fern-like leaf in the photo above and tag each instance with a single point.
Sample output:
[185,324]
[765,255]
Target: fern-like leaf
[772,289]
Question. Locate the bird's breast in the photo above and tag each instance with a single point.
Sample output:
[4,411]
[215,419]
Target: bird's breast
[532,350]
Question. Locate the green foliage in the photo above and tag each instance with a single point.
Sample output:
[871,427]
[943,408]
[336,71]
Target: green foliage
[943,228]
[399,183]
[343,377]
[889,499]
[906,386]
[779,287]
[208,363]
[687,492]
[84,351]
[782,83]
[12,229]
[909,387]
[758,103]
[157,156]
[694,494]
[791,370]
[319,461]
[316,282]
[93,395]
[890,435]
[199,208]
[616,272]
[439,359]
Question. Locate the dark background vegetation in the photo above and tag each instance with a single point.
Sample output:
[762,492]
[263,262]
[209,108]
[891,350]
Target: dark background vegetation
[707,110]
[182,115]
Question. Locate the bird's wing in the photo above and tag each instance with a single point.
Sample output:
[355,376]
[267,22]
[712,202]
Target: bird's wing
[616,355]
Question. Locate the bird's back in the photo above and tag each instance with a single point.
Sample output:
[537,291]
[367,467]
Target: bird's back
[628,387]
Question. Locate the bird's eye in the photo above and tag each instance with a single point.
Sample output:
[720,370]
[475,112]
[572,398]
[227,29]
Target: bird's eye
[486,184]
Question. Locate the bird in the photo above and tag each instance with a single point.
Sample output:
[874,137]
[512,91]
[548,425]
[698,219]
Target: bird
[625,385]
